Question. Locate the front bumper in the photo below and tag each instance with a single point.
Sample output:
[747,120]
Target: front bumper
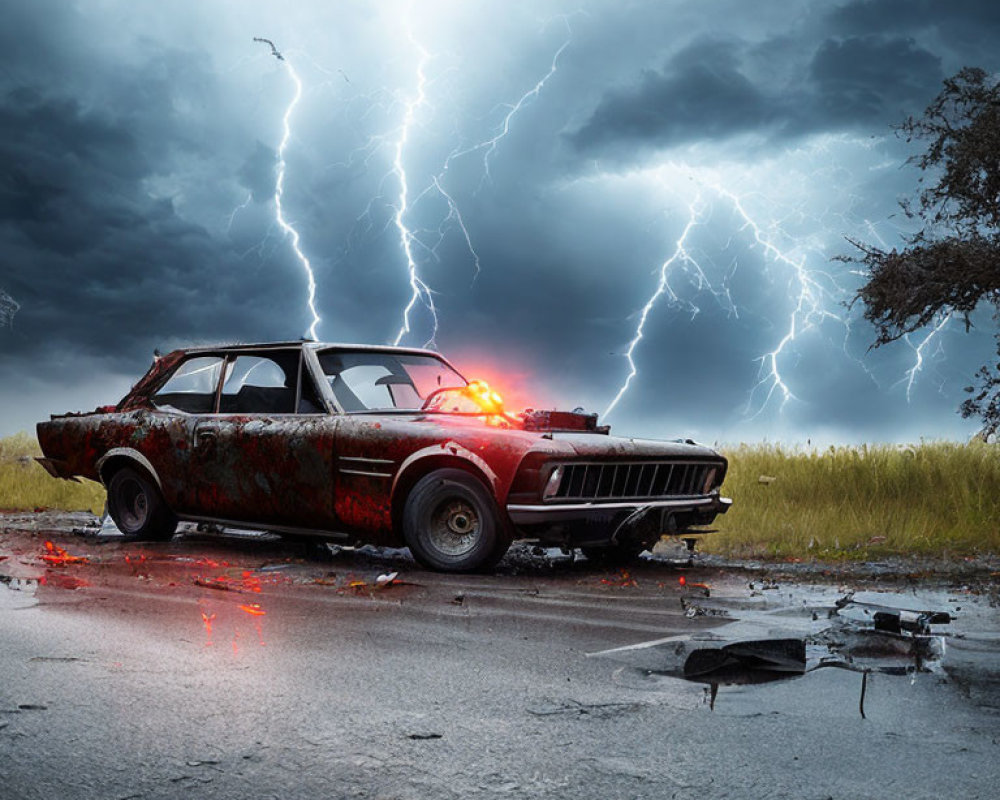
[539,513]
[596,523]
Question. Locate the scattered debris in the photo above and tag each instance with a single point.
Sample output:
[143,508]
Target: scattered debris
[766,585]
[769,655]
[778,642]
[60,659]
[705,588]
[247,582]
[576,708]
[386,580]
[215,583]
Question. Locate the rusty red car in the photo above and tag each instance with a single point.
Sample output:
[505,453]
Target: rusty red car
[386,445]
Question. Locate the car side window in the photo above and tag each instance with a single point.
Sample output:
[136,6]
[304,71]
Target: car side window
[362,382]
[260,385]
[192,387]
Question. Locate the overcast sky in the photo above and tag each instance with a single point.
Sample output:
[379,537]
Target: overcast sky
[581,146]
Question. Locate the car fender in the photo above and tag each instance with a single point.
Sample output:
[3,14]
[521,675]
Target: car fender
[132,455]
[452,450]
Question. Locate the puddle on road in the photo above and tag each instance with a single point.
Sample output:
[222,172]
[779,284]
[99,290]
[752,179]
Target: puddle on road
[17,593]
[768,641]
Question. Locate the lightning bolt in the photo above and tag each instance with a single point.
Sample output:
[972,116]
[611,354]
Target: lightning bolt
[455,213]
[418,289]
[513,109]
[918,353]
[810,295]
[679,256]
[279,189]
[409,238]
[808,312]
[237,210]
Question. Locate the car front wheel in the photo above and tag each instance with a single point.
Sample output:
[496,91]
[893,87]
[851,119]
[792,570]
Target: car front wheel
[450,523]
[138,508]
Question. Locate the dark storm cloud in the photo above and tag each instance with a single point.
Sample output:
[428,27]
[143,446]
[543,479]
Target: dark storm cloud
[969,20]
[704,93]
[871,79]
[106,264]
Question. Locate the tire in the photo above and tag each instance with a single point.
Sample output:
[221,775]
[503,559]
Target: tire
[138,508]
[451,524]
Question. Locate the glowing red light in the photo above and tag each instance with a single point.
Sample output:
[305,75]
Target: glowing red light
[57,557]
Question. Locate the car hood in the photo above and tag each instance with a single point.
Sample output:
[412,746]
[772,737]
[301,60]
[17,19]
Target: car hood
[585,445]
[572,445]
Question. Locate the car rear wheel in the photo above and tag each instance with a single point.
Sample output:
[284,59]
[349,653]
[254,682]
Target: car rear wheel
[138,508]
[451,524]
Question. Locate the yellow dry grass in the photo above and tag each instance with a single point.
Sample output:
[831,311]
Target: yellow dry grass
[939,498]
[24,485]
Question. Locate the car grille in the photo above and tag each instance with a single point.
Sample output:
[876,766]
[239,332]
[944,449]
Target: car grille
[642,480]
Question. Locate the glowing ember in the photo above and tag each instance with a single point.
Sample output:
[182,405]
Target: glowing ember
[207,620]
[622,580]
[55,556]
[138,565]
[251,582]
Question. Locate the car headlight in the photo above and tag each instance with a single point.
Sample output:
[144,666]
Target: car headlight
[709,480]
[552,485]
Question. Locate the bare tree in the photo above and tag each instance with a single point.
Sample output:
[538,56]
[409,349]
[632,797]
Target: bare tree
[952,263]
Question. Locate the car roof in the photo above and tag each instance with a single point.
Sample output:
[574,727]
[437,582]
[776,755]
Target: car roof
[241,346]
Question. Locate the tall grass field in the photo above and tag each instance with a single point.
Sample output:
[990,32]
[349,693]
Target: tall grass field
[934,499]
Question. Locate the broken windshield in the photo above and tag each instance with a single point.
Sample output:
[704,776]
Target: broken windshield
[373,381]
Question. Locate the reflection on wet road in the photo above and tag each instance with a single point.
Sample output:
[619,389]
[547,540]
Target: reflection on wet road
[237,666]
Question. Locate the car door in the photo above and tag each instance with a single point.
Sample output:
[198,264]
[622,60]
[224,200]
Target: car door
[165,434]
[267,455]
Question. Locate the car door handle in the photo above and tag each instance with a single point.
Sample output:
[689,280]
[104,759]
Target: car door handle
[205,437]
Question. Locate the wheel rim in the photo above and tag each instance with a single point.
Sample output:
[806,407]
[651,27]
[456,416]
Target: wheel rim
[454,527]
[133,505]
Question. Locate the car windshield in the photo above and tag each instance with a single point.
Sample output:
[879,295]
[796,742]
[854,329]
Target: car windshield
[363,381]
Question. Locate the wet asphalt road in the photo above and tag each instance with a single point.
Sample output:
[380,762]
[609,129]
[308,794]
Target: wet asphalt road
[229,667]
